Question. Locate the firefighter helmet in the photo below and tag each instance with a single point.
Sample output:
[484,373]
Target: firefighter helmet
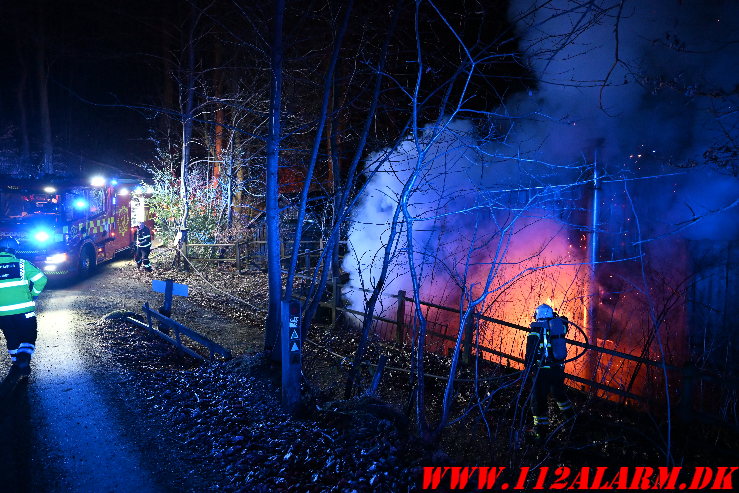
[543,312]
[8,244]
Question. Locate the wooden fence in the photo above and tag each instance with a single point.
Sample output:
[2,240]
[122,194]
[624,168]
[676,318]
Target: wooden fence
[246,254]
[689,377]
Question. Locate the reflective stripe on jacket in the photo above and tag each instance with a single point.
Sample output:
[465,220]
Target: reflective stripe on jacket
[20,281]
[143,238]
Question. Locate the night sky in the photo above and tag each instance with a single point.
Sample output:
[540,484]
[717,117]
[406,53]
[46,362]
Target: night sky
[100,58]
[113,67]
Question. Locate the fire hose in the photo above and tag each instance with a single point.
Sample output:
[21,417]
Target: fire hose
[585,337]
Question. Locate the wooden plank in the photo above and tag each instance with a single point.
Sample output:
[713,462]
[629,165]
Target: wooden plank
[214,346]
[164,336]
[605,388]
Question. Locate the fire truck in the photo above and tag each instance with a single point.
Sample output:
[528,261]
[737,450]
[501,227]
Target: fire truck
[67,227]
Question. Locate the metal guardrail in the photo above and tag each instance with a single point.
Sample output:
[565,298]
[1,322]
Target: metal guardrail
[179,330]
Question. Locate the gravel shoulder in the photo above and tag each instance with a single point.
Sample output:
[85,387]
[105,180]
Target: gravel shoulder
[70,427]
[220,426]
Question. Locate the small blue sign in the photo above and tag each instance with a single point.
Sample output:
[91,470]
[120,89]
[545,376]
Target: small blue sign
[177,289]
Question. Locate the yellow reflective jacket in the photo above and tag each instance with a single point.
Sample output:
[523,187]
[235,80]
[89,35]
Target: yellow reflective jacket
[20,282]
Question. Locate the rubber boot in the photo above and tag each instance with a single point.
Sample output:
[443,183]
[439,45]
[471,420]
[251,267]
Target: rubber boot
[539,431]
[22,364]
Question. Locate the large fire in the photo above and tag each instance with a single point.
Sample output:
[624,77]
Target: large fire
[546,262]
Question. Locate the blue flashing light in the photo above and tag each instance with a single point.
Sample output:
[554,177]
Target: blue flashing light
[80,204]
[41,236]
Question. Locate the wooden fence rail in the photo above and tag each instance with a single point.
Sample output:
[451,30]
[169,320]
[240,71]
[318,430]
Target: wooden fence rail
[244,253]
[179,330]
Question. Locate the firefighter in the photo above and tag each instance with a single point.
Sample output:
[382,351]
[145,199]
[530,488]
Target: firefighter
[143,247]
[546,352]
[20,284]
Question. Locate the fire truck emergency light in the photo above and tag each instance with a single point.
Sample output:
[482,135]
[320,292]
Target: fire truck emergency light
[97,181]
[41,236]
[80,204]
[123,191]
[49,190]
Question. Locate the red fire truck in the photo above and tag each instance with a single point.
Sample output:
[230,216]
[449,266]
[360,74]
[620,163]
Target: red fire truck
[68,226]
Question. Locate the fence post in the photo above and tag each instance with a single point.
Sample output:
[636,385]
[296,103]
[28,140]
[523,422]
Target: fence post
[184,240]
[238,256]
[400,318]
[469,328]
[166,308]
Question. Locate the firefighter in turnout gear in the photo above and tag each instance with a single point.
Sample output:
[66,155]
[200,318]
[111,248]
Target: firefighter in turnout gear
[20,284]
[546,352]
[143,247]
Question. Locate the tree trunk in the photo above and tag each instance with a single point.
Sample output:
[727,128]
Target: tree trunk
[219,114]
[187,115]
[168,74]
[24,144]
[272,183]
[328,83]
[42,79]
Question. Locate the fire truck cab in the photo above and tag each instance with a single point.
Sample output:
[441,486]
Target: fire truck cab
[66,227]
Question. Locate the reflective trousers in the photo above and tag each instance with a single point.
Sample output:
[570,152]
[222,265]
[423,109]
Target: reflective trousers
[142,257]
[20,332]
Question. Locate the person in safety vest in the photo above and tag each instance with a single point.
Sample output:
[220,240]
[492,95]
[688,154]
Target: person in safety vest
[20,284]
[546,352]
[143,247]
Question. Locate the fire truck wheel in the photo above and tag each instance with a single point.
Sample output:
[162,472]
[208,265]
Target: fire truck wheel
[87,262]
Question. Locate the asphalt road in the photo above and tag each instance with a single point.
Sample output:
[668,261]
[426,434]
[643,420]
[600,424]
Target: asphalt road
[58,431]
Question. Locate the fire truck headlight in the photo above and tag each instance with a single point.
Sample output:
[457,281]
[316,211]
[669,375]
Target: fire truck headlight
[41,236]
[58,258]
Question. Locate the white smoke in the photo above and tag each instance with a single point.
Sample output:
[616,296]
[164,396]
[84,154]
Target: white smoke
[639,89]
